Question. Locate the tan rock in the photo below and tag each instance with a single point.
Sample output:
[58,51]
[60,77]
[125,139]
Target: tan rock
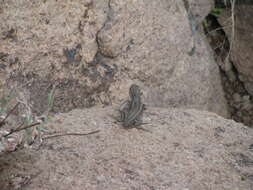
[150,42]
[91,51]
[187,149]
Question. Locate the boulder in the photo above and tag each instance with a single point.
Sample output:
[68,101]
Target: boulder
[89,52]
[185,149]
[152,43]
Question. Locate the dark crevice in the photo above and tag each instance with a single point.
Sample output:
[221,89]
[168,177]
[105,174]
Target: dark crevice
[235,91]
[217,37]
[225,4]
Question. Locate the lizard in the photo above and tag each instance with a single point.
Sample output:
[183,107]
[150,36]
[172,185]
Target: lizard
[131,110]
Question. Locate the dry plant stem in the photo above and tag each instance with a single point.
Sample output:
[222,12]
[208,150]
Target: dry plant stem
[76,134]
[9,113]
[217,29]
[227,65]
[20,129]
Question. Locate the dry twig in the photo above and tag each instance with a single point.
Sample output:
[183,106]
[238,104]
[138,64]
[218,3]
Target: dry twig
[228,65]
[76,134]
[20,129]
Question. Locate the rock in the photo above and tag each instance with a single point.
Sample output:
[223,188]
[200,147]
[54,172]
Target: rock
[51,43]
[151,42]
[186,149]
[242,42]
[247,104]
[246,98]
[90,52]
[237,98]
[200,8]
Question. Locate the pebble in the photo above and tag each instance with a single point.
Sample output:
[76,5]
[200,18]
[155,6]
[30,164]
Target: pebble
[237,97]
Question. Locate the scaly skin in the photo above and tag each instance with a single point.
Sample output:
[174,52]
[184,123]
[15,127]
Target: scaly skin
[131,116]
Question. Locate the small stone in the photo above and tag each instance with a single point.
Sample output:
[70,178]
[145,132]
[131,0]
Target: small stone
[237,97]
[247,105]
[246,98]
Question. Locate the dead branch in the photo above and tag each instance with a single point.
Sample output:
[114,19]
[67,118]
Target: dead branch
[20,129]
[75,134]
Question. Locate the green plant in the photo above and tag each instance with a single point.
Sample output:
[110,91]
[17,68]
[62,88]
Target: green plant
[214,12]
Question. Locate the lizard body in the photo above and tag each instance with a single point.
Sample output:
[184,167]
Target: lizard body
[132,110]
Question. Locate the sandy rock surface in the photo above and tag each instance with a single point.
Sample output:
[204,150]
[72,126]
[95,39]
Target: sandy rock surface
[200,8]
[186,149]
[51,43]
[92,50]
[152,42]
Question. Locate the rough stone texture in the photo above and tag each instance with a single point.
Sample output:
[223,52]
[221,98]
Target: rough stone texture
[187,149]
[46,43]
[91,51]
[200,8]
[241,53]
[159,32]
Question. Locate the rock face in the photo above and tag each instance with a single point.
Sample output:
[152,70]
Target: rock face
[53,43]
[91,51]
[151,42]
[200,8]
[186,149]
[242,47]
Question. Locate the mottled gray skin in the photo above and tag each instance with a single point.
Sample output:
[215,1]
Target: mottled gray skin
[130,113]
